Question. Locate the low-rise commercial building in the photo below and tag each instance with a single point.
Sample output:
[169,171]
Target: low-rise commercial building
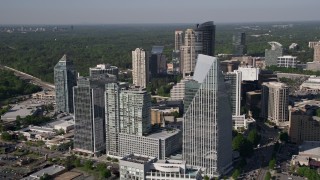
[287,61]
[160,144]
[311,85]
[134,166]
[309,154]
[52,171]
[242,122]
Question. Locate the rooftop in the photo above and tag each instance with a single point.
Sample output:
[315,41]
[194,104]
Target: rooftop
[19,110]
[157,49]
[136,158]
[310,148]
[275,84]
[52,170]
[204,63]
[163,133]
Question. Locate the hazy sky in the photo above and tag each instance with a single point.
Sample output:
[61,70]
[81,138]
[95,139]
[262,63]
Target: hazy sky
[155,11]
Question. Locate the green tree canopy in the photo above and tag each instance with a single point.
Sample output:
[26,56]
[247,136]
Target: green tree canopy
[254,137]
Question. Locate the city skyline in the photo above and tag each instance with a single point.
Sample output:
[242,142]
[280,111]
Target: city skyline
[143,11]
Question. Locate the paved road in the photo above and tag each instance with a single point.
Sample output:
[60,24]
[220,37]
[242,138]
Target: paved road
[35,80]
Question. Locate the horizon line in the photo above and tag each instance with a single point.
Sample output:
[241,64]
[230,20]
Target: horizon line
[150,23]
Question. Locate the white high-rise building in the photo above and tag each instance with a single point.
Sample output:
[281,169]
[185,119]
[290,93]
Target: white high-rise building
[233,80]
[140,68]
[190,50]
[207,123]
[275,101]
[126,111]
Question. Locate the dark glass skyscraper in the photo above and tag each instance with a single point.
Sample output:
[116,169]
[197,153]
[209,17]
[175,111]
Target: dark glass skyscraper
[239,43]
[64,80]
[89,113]
[208,30]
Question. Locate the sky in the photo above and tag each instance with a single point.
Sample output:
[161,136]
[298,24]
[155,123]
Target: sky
[155,11]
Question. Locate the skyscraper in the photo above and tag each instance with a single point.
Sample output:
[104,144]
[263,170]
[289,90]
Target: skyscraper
[201,40]
[140,68]
[271,55]
[127,111]
[190,50]
[157,61]
[316,56]
[178,40]
[64,80]
[207,124]
[275,101]
[233,81]
[239,43]
[89,106]
[208,30]
[103,69]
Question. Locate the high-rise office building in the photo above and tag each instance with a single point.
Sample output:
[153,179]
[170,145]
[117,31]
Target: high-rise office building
[103,69]
[140,67]
[239,43]
[233,82]
[207,121]
[178,40]
[208,31]
[157,61]
[127,111]
[274,102]
[190,50]
[316,55]
[271,55]
[64,80]
[89,111]
[201,40]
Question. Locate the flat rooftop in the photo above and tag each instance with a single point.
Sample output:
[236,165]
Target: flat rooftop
[163,133]
[52,170]
[19,110]
[310,148]
[136,158]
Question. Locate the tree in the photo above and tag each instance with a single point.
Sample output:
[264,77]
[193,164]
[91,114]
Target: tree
[88,164]
[77,162]
[105,173]
[284,137]
[236,174]
[101,166]
[254,137]
[318,112]
[206,177]
[272,164]
[46,177]
[6,136]
[237,141]
[268,176]
[109,158]
[245,147]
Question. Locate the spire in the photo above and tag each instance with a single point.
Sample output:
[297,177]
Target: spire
[64,58]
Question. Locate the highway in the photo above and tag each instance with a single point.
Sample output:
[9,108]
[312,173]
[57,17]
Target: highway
[32,79]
